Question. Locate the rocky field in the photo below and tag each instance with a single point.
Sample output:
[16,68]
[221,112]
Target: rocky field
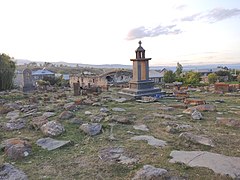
[55,135]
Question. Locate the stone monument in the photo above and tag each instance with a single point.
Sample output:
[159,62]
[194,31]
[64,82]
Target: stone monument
[27,81]
[76,89]
[140,85]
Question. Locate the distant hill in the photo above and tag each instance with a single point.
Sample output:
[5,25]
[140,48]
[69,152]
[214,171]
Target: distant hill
[122,66]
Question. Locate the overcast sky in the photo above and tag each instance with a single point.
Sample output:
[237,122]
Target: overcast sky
[108,31]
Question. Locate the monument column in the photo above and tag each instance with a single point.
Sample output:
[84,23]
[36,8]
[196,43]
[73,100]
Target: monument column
[140,85]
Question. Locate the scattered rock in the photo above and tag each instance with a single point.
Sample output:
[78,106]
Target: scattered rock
[205,107]
[151,140]
[5,109]
[87,102]
[165,116]
[120,100]
[189,110]
[13,115]
[173,127]
[116,155]
[96,104]
[9,172]
[149,172]
[70,106]
[91,129]
[120,119]
[48,114]
[104,110]
[65,115]
[197,139]
[165,108]
[16,148]
[194,102]
[51,144]
[76,121]
[141,127]
[225,165]
[178,106]
[52,128]
[219,101]
[37,122]
[97,118]
[147,99]
[196,115]
[126,160]
[15,124]
[118,109]
[228,122]
[87,113]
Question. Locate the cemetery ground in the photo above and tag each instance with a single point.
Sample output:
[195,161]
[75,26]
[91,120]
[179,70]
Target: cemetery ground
[112,151]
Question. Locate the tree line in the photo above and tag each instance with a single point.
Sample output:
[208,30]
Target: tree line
[194,78]
[7,72]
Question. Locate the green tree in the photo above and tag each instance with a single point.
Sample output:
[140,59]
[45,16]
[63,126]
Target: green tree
[7,69]
[224,73]
[169,77]
[192,78]
[212,78]
[178,70]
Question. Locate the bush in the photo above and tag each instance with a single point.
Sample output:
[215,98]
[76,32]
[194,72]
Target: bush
[212,78]
[192,78]
[169,77]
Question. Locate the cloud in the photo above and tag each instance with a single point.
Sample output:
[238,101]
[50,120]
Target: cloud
[142,32]
[180,7]
[220,14]
[214,15]
[193,17]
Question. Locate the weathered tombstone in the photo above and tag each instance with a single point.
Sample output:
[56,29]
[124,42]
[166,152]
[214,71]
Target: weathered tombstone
[27,80]
[76,89]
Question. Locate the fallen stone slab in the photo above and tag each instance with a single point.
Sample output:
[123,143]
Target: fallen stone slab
[51,144]
[104,110]
[118,109]
[9,172]
[228,122]
[197,139]
[121,119]
[116,155]
[166,108]
[149,172]
[205,107]
[151,140]
[49,114]
[224,165]
[13,115]
[15,124]
[141,127]
[120,100]
[194,102]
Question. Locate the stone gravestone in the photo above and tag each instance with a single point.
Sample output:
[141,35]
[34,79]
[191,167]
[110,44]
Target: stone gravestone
[76,89]
[27,80]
